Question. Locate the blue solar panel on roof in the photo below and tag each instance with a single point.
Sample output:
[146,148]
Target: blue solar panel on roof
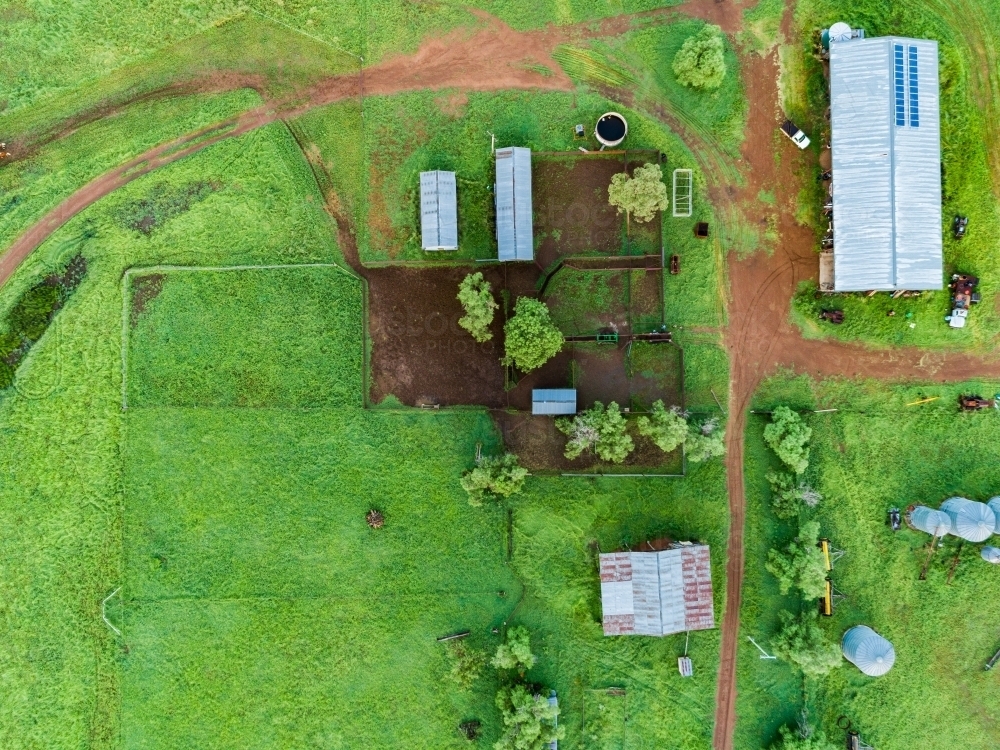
[898,76]
[914,90]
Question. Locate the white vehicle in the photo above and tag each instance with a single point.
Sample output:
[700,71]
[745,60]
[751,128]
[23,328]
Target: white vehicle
[799,138]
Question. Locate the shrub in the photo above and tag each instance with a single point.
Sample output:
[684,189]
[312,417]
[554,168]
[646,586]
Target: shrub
[163,203]
[467,664]
[31,314]
[787,436]
[666,427]
[796,739]
[529,721]
[788,496]
[600,429]
[700,62]
[802,643]
[705,441]
[474,294]
[801,566]
[515,652]
[492,477]
[641,195]
[530,337]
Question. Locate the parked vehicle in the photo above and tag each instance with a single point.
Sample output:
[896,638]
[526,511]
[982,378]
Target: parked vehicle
[959,225]
[894,520]
[963,296]
[797,137]
[974,403]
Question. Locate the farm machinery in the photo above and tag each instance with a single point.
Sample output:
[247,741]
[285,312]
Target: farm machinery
[963,297]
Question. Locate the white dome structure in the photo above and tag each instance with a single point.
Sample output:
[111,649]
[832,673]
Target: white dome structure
[868,651]
[974,522]
[994,504]
[930,521]
[840,32]
[991,555]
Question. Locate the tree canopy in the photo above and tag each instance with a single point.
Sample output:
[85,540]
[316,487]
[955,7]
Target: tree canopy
[801,565]
[788,496]
[788,436]
[700,62]
[466,664]
[667,428]
[803,643]
[793,739]
[529,722]
[515,651]
[530,337]
[641,195]
[705,441]
[497,476]
[477,300]
[603,430]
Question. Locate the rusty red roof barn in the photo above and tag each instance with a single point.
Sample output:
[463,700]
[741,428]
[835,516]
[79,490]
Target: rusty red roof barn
[657,593]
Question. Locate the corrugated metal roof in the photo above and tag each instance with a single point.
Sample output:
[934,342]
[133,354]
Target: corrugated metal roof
[515,237]
[885,121]
[438,211]
[868,651]
[657,593]
[553,401]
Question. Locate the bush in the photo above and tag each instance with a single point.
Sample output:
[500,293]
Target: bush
[641,195]
[31,314]
[795,739]
[529,721]
[802,643]
[466,664]
[788,496]
[787,436]
[498,476]
[600,429]
[530,338]
[802,565]
[666,427]
[515,652]
[705,441]
[700,62]
[474,294]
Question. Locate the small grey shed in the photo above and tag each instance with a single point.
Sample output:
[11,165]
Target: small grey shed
[438,211]
[515,236]
[553,401]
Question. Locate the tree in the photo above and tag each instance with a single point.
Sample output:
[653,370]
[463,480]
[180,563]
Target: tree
[788,496]
[666,427]
[467,664]
[641,195]
[529,721]
[603,430]
[797,739]
[515,652]
[802,643]
[497,476]
[802,565]
[705,441]
[530,337]
[479,305]
[787,435]
[700,62]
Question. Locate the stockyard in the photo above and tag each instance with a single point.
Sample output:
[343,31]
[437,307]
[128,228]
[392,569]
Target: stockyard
[439,377]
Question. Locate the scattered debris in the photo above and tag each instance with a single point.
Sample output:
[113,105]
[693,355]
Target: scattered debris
[375,519]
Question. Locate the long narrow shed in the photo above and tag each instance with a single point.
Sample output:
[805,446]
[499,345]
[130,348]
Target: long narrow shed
[438,211]
[886,143]
[515,235]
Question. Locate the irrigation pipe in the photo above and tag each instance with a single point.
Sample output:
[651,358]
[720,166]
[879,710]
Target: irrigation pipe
[104,615]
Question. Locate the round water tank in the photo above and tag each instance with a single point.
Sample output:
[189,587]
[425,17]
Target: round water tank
[840,32]
[868,651]
[611,129]
[994,504]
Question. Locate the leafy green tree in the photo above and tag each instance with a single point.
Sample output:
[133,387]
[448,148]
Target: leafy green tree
[603,430]
[529,722]
[788,436]
[530,337]
[705,441]
[788,496]
[700,62]
[467,664]
[515,652]
[666,427]
[492,477]
[641,195]
[802,643]
[795,739]
[801,565]
[477,300]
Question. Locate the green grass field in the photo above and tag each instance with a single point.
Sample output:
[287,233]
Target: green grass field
[874,453]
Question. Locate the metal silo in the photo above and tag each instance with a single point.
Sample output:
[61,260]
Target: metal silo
[868,651]
[971,521]
[990,555]
[933,522]
[994,505]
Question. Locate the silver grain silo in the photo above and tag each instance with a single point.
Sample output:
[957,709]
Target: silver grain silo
[971,521]
[868,651]
[990,555]
[933,522]
[994,504]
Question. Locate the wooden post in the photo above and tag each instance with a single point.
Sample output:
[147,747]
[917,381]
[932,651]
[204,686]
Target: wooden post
[954,563]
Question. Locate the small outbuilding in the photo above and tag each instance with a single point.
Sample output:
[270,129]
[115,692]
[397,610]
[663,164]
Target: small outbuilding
[553,401]
[972,521]
[657,593]
[933,522]
[868,651]
[438,211]
[515,234]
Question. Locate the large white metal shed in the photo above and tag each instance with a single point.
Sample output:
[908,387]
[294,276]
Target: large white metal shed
[515,236]
[886,141]
[438,211]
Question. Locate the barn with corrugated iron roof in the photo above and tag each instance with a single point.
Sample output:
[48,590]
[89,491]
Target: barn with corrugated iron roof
[658,592]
